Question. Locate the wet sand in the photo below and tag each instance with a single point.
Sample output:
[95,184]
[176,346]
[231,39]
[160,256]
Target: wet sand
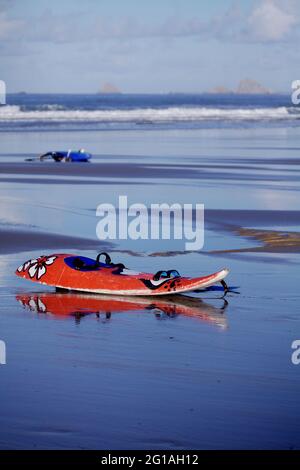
[265,171]
[272,241]
[88,372]
[17,241]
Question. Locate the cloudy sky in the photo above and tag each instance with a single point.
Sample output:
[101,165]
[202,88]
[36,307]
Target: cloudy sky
[147,46]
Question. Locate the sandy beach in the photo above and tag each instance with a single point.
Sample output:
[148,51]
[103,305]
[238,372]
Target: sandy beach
[193,371]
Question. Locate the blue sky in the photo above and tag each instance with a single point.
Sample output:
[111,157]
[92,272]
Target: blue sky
[142,46]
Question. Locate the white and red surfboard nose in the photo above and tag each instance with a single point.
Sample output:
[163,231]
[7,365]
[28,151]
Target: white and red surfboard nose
[35,269]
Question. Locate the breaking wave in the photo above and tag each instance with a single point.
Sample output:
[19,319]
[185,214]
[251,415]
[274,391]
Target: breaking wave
[57,113]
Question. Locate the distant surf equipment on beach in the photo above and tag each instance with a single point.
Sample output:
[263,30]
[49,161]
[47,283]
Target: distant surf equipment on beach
[64,156]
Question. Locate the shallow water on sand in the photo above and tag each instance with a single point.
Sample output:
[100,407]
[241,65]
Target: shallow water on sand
[103,373]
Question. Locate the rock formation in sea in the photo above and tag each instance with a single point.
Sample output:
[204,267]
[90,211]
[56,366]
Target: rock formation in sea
[250,86]
[246,86]
[109,88]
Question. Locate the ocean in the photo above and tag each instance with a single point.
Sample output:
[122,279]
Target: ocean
[172,111]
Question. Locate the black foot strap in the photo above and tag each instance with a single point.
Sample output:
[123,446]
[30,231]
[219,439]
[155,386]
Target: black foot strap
[106,257]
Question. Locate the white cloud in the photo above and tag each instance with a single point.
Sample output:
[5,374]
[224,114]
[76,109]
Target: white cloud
[267,21]
[270,21]
[8,26]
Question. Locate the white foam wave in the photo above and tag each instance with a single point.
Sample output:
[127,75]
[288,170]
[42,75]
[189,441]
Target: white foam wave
[52,107]
[15,113]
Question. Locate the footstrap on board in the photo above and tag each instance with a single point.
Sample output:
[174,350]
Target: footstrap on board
[106,256]
[166,274]
[118,267]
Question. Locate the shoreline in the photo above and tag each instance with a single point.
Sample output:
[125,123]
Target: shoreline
[20,240]
[274,241]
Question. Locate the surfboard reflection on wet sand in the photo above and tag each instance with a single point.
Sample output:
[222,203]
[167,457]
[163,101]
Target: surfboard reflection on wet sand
[106,307]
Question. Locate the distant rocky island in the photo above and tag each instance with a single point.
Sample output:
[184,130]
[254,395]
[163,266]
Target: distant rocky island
[252,87]
[247,86]
[109,89]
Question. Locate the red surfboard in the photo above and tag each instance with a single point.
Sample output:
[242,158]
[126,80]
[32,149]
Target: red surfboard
[72,272]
